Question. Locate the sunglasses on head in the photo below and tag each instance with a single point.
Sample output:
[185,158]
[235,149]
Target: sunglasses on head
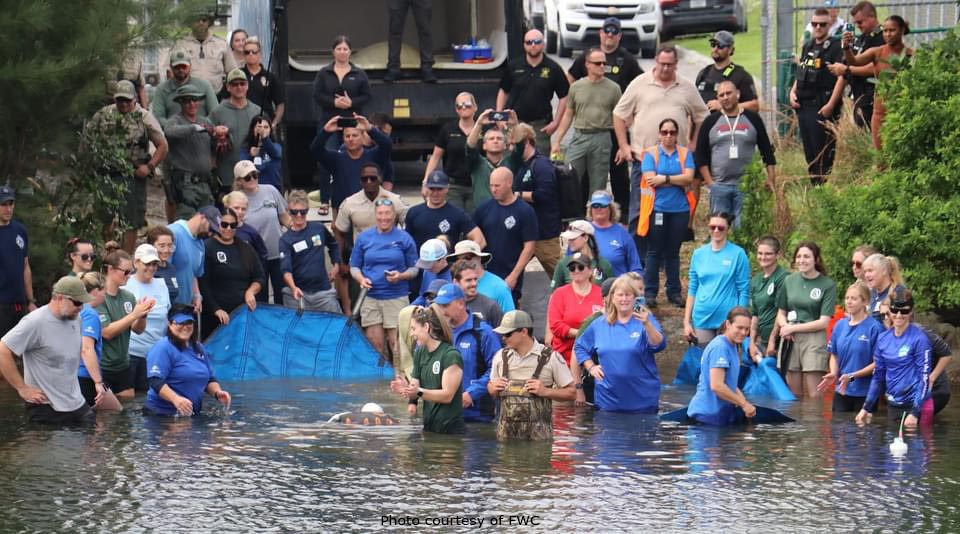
[231,225]
[369,178]
[533,42]
[87,257]
[299,213]
[575,267]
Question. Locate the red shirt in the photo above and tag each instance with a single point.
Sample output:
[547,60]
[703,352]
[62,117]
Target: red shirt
[567,310]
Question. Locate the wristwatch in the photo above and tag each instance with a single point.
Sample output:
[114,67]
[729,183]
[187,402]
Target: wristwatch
[419,392]
[579,386]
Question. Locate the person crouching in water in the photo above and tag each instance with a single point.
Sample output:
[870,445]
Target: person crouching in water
[437,374]
[718,400]
[526,376]
[371,414]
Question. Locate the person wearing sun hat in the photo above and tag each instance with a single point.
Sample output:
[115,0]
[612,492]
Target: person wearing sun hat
[48,340]
[579,237]
[489,284]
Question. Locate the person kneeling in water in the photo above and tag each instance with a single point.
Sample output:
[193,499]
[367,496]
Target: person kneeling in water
[718,401]
[371,414]
[526,376]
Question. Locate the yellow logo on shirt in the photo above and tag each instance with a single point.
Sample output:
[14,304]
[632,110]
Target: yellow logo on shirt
[545,72]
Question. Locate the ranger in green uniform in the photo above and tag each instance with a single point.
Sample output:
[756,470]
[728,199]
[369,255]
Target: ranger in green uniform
[191,138]
[526,377]
[765,288]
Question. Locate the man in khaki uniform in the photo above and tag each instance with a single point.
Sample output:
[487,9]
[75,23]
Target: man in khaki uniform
[138,128]
[525,395]
[212,57]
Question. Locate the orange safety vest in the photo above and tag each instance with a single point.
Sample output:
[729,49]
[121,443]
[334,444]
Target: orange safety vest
[648,195]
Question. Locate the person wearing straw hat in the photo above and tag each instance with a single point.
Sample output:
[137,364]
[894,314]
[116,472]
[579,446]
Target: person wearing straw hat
[49,341]
[488,284]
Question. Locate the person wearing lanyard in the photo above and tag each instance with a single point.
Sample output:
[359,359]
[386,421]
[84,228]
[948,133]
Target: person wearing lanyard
[725,147]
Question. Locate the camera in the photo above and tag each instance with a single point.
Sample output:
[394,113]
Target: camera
[346,122]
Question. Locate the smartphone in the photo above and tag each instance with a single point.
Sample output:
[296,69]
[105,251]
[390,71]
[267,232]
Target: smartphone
[499,116]
[848,27]
[639,303]
[340,91]
[346,122]
[389,273]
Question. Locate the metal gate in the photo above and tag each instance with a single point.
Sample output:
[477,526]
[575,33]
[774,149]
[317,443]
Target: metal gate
[782,25]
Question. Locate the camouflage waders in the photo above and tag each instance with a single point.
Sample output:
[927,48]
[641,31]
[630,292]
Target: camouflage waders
[522,415]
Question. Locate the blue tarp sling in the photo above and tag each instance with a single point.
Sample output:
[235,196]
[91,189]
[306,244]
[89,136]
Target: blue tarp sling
[764,380]
[689,371]
[274,341]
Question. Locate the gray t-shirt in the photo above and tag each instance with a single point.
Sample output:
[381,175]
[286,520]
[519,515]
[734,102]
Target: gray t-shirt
[237,120]
[263,214]
[488,309]
[50,348]
[724,169]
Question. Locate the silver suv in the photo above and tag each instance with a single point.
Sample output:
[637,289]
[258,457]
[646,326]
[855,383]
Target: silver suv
[575,25]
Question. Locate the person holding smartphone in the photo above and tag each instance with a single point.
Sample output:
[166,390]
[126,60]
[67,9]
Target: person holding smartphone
[624,343]
[264,151]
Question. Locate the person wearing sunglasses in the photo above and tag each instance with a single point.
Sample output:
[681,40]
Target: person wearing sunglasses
[664,210]
[624,342]
[580,238]
[719,280]
[180,370]
[496,151]
[235,114]
[162,240]
[212,56]
[881,274]
[383,261]
[232,274]
[138,128]
[857,257]
[571,303]
[835,22]
[804,308]
[192,138]
[345,164]
[614,242]
[723,68]
[438,216]
[266,213]
[80,255]
[870,35]
[902,366]
[265,89]
[450,147]
[528,86]
[301,259]
[49,342]
[121,314]
[165,103]
[590,104]
[144,283]
[816,96]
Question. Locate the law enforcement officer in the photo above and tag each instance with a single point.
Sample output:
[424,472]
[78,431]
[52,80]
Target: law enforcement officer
[138,128]
[723,68]
[621,68]
[264,89]
[816,95]
[528,86]
[864,16]
[191,154]
[212,57]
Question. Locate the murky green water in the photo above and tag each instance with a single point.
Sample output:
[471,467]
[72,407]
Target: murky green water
[272,465]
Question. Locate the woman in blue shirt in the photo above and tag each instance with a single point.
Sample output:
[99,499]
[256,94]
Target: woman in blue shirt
[719,280]
[902,370]
[383,262]
[265,152]
[851,348]
[91,381]
[624,344]
[667,170]
[179,370]
[614,242]
[718,400]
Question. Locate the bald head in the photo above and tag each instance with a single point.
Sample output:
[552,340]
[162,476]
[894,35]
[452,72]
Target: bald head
[533,44]
[501,185]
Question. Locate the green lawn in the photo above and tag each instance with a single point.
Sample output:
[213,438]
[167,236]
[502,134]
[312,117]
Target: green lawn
[746,47]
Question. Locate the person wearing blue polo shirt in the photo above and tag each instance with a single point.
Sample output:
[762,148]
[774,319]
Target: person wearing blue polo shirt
[624,342]
[718,401]
[16,279]
[188,252]
[614,242]
[433,263]
[383,262]
[301,259]
[511,228]
[179,370]
[437,217]
[469,331]
[719,279]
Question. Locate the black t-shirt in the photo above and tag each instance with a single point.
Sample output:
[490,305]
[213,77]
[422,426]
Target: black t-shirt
[228,270]
[530,89]
[859,86]
[423,223]
[710,77]
[621,68]
[813,76]
[453,142]
[265,90]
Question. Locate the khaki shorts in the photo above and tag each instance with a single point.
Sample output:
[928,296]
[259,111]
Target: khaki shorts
[809,352]
[383,312]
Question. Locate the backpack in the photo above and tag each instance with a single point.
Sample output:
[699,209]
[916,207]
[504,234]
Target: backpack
[569,192]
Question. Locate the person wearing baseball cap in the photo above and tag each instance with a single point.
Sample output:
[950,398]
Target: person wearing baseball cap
[433,262]
[142,285]
[489,284]
[524,367]
[579,237]
[614,242]
[723,68]
[437,216]
[235,113]
[49,342]
[164,105]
